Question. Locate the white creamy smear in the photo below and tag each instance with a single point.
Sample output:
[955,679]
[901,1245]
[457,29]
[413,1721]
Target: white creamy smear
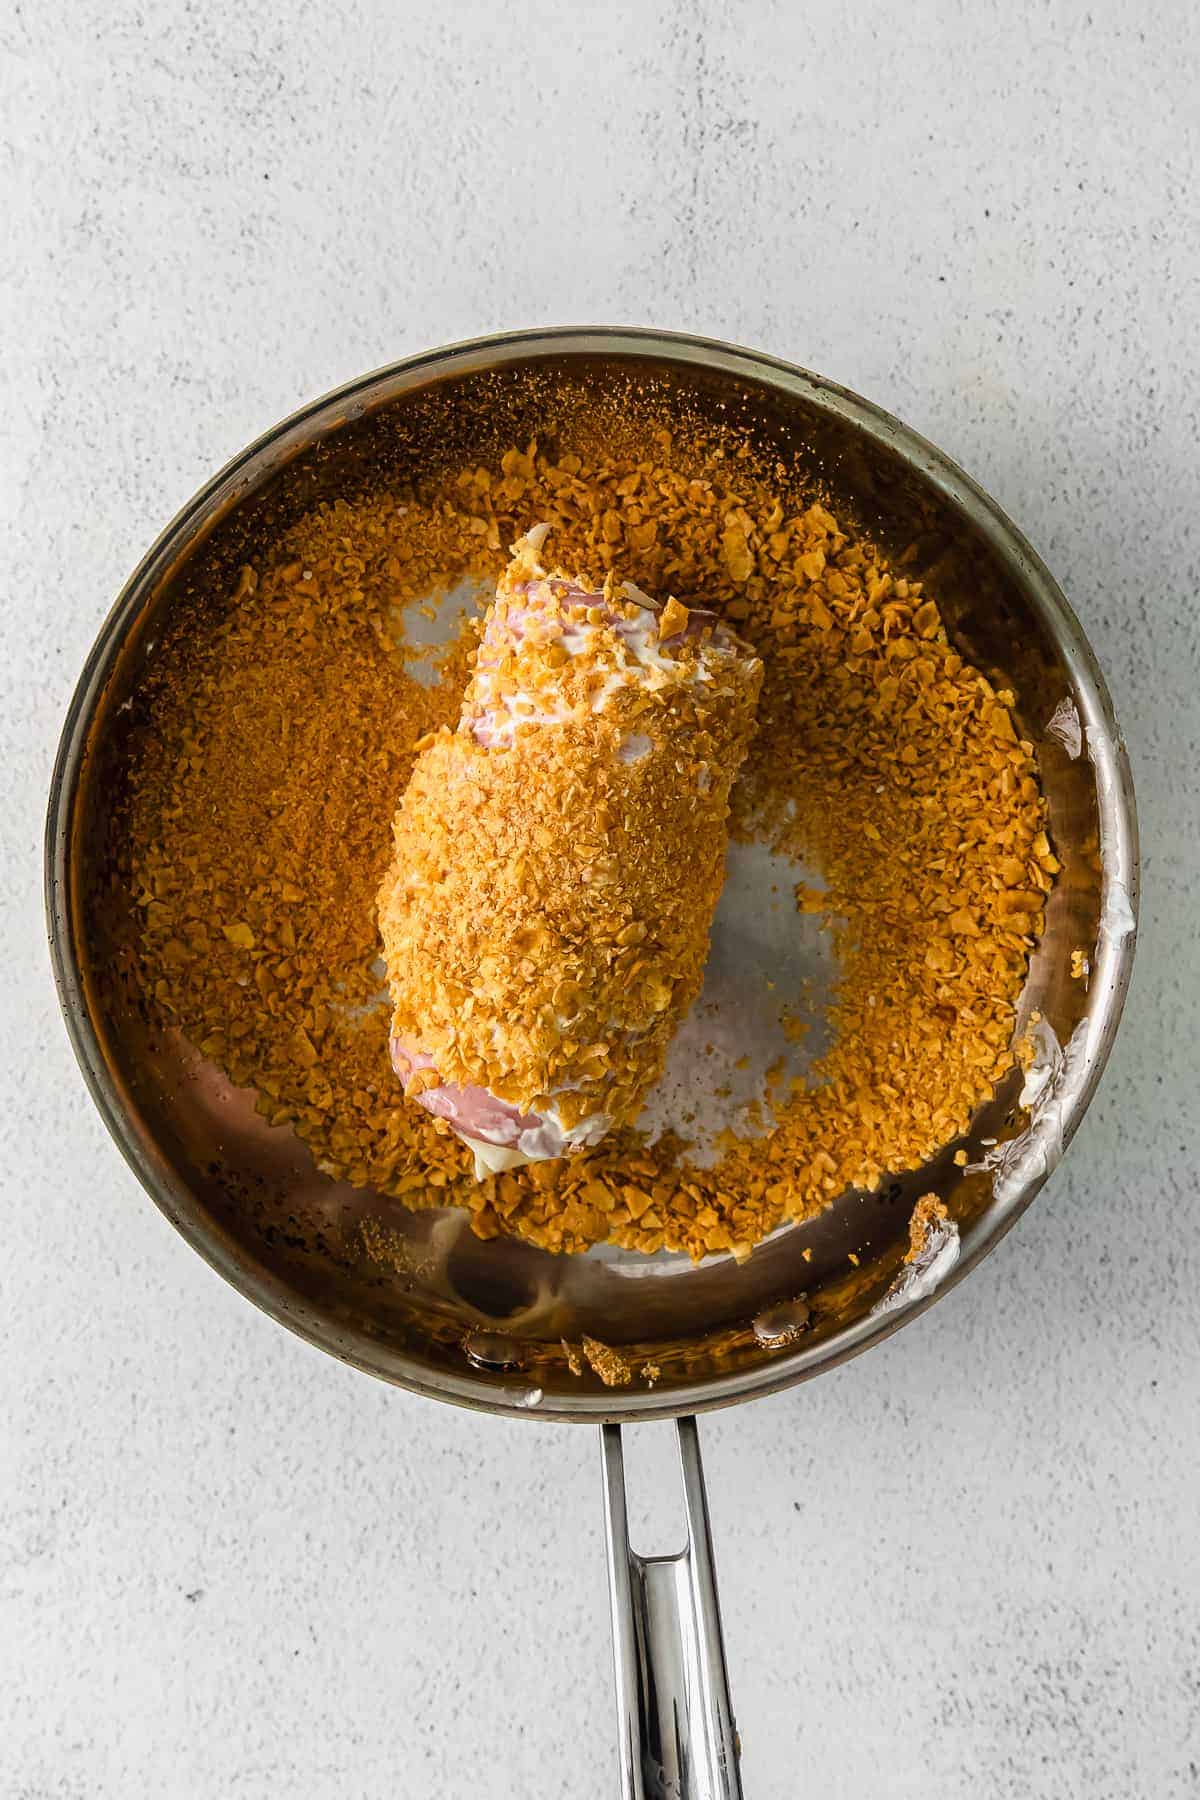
[1063,724]
[633,746]
[1117,920]
[538,1143]
[927,1270]
[1051,1083]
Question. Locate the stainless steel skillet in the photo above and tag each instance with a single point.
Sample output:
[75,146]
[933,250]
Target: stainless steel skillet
[481,1324]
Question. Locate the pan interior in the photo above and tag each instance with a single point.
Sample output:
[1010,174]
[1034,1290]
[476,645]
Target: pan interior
[484,1322]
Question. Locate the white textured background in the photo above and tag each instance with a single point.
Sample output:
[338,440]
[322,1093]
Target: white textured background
[966,1564]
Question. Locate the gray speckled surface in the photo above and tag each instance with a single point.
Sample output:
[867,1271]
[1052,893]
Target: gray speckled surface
[967,1563]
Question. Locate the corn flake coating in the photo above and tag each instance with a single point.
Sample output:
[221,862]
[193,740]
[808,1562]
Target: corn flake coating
[557,861]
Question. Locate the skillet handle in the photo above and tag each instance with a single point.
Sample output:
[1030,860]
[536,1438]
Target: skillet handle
[677,1736]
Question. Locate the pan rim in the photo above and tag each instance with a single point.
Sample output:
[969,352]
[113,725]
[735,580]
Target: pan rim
[322,416]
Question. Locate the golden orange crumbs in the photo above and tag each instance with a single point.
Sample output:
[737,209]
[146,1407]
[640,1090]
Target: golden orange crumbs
[277,725]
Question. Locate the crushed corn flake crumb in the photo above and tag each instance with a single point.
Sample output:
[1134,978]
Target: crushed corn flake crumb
[928,1215]
[613,1369]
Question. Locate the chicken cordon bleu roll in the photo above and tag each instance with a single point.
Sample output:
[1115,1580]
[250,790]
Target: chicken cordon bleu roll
[558,857]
